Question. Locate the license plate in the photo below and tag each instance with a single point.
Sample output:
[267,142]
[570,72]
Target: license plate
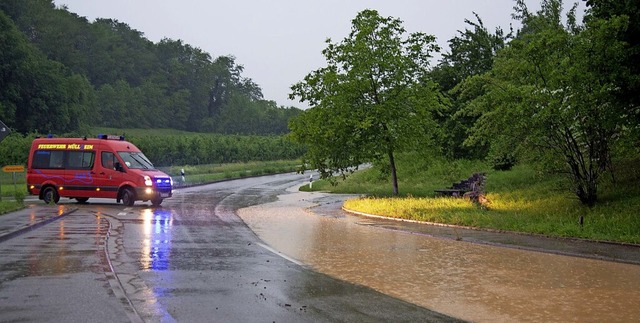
[164,194]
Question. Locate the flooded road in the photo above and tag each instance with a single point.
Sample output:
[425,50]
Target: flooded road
[469,281]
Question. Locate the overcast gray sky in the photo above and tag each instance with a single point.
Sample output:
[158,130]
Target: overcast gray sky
[280,41]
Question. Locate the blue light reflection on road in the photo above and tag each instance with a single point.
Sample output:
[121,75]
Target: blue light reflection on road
[156,251]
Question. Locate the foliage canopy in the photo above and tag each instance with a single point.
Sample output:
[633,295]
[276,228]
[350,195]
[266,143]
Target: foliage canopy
[550,94]
[373,99]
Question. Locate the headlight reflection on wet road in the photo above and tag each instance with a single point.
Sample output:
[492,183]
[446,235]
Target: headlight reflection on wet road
[156,250]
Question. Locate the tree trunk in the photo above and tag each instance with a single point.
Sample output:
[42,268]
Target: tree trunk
[394,176]
[585,165]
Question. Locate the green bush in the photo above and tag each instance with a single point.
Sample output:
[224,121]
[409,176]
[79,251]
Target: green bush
[502,161]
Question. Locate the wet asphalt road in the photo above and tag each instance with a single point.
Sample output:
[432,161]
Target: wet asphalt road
[192,260]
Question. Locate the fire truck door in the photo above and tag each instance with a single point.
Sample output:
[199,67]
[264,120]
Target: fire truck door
[108,177]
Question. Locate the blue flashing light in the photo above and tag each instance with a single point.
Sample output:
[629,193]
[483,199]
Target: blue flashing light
[111,137]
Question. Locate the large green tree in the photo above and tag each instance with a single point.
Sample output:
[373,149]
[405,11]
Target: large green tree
[371,101]
[626,9]
[628,81]
[551,93]
[471,52]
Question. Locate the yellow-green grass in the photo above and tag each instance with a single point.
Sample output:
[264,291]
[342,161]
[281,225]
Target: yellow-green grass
[521,200]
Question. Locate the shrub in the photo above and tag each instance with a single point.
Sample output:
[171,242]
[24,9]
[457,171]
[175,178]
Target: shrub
[502,161]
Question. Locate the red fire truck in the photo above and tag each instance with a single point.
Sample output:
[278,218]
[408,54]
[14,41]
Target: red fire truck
[105,167]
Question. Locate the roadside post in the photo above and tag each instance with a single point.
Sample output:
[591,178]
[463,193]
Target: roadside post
[310,181]
[182,174]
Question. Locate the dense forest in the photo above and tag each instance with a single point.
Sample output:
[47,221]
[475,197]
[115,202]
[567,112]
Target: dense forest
[63,74]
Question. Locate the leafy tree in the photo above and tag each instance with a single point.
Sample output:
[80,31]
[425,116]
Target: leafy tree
[123,53]
[471,53]
[630,10]
[14,149]
[547,94]
[628,80]
[36,93]
[371,101]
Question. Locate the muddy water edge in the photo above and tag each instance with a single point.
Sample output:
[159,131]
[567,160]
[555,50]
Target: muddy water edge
[471,281]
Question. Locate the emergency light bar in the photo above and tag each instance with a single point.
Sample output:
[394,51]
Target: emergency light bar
[111,137]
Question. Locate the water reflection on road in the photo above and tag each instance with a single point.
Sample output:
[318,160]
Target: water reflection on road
[156,244]
[469,281]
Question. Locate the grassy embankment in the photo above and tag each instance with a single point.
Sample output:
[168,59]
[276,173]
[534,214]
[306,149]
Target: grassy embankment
[520,200]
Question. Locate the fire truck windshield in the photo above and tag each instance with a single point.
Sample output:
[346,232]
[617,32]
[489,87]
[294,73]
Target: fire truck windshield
[135,160]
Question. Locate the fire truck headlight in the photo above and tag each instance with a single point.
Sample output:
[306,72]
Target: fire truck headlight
[148,181]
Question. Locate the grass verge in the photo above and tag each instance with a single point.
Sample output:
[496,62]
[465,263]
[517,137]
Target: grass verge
[10,206]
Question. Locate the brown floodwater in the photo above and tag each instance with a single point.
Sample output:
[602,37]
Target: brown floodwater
[473,282]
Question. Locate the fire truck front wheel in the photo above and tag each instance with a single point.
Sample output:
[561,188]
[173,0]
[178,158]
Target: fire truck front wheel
[156,201]
[50,195]
[128,196]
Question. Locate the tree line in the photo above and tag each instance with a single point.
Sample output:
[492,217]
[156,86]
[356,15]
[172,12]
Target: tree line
[557,93]
[62,74]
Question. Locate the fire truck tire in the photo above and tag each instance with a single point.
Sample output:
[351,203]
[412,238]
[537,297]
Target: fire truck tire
[156,201]
[82,199]
[128,197]
[50,195]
